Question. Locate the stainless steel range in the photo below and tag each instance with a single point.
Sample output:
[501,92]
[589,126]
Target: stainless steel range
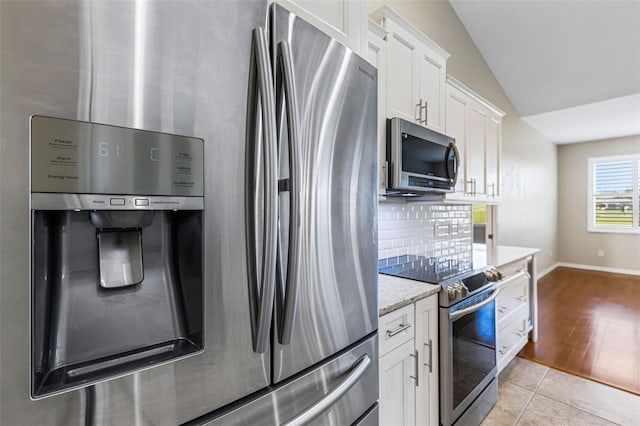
[468,358]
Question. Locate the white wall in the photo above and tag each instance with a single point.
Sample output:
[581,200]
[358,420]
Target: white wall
[575,243]
[527,215]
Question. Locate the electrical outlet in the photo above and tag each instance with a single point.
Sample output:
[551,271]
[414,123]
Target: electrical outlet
[601,253]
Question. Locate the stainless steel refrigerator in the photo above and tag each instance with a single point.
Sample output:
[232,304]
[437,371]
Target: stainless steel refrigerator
[287,116]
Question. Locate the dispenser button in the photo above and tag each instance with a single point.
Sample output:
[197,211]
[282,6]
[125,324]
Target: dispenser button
[142,202]
[117,201]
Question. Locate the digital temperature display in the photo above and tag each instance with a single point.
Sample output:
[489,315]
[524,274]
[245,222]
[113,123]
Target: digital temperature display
[81,157]
[105,150]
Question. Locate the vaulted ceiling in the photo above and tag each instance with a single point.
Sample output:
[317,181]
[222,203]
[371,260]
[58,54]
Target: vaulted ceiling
[570,68]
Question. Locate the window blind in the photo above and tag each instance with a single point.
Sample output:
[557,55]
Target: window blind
[614,193]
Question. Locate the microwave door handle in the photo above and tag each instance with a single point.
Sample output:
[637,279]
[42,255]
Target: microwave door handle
[290,297]
[462,312]
[453,174]
[260,81]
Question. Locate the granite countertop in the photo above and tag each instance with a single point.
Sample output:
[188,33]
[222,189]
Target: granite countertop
[395,292]
[504,255]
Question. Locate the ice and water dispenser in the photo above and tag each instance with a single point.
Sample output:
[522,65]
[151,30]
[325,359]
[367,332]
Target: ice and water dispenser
[116,251]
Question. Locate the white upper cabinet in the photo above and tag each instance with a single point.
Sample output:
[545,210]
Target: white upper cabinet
[432,88]
[403,57]
[493,144]
[344,20]
[456,127]
[416,72]
[377,56]
[476,125]
[476,160]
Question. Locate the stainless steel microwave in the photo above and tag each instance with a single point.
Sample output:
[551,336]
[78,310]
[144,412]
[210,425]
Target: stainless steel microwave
[419,160]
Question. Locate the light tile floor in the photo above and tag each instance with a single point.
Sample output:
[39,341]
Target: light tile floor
[532,394]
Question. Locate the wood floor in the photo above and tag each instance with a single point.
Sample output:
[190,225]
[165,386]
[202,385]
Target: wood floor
[589,325]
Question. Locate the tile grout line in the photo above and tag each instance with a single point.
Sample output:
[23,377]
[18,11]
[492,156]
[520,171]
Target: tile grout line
[580,409]
[549,369]
[543,379]
[533,395]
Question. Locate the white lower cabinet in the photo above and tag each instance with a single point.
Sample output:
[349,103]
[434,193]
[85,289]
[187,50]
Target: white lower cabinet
[409,365]
[397,386]
[513,308]
[427,402]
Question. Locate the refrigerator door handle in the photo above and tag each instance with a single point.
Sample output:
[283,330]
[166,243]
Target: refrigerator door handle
[288,294]
[324,403]
[261,82]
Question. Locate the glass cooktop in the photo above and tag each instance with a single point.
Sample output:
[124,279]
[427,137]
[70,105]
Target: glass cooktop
[422,268]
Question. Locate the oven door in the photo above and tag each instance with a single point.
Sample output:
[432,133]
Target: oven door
[468,352]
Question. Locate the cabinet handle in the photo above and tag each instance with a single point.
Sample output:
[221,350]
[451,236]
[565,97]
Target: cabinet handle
[503,350]
[400,329]
[475,186]
[522,298]
[419,106]
[384,174]
[417,367]
[430,365]
[501,309]
[470,191]
[426,111]
[493,190]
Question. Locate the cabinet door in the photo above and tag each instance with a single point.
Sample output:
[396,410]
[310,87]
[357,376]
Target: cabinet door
[403,56]
[456,127]
[427,402]
[377,56]
[397,387]
[432,89]
[344,20]
[492,143]
[476,148]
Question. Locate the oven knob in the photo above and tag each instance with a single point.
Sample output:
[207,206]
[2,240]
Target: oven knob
[493,275]
[451,293]
[463,289]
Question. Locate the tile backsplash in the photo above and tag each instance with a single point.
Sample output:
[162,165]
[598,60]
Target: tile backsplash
[432,230]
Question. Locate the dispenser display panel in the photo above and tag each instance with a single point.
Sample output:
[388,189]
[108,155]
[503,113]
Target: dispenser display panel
[80,157]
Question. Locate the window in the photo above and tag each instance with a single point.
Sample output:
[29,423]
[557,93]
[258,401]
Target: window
[479,223]
[484,227]
[613,194]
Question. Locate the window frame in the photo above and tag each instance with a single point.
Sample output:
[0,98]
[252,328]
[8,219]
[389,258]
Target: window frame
[635,204]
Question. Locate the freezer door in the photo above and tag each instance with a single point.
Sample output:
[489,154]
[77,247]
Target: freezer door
[165,66]
[342,391]
[336,99]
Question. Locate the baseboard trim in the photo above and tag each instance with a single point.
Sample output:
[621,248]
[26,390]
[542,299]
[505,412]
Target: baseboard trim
[547,270]
[597,268]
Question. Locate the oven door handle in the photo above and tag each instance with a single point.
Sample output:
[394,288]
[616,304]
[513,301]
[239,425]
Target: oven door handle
[462,312]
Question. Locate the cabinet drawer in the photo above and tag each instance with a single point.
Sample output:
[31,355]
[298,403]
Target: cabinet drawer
[513,267]
[512,297]
[514,335]
[396,328]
